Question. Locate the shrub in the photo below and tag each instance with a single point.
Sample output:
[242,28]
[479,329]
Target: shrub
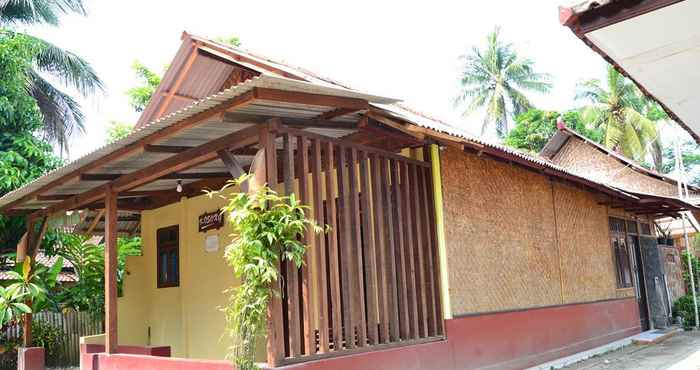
[683,308]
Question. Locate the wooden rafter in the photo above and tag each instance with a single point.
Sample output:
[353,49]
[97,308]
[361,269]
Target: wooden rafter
[335,113]
[95,221]
[170,176]
[310,99]
[179,162]
[235,117]
[182,74]
[239,101]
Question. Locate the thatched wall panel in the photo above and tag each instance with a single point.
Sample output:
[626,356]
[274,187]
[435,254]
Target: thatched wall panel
[500,235]
[588,271]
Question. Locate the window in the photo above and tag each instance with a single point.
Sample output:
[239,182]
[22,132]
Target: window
[621,251]
[646,229]
[168,254]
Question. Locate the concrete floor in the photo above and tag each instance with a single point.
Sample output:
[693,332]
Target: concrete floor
[680,352]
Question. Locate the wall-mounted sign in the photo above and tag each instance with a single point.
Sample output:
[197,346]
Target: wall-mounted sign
[211,243]
[211,221]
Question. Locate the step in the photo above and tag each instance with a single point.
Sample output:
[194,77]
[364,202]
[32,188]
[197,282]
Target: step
[655,336]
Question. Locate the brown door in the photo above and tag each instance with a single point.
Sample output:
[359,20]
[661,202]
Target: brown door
[639,282]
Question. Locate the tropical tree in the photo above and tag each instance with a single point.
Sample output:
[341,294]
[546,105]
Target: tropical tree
[496,78]
[23,155]
[149,81]
[617,108]
[118,130]
[61,114]
[534,128]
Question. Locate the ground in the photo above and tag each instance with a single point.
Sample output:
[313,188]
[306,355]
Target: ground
[680,352]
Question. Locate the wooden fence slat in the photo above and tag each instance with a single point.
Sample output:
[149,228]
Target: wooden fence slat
[398,221]
[408,252]
[346,261]
[309,239]
[356,251]
[292,283]
[380,248]
[320,247]
[427,248]
[440,328]
[418,223]
[368,249]
[333,252]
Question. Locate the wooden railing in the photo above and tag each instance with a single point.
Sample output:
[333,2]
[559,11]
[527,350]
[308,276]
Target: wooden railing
[372,281]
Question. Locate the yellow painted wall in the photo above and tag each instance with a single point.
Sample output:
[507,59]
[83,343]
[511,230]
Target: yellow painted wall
[187,318]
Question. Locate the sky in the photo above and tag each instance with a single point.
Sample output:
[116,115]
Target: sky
[402,49]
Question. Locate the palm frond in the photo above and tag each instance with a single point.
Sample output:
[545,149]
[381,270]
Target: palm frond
[67,67]
[37,11]
[62,115]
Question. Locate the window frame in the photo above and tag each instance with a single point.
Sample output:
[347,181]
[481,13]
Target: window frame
[167,247]
[619,242]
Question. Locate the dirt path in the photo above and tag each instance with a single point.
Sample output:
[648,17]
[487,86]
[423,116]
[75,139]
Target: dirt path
[680,352]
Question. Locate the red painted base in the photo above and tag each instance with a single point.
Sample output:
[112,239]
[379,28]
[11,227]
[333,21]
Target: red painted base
[30,358]
[506,340]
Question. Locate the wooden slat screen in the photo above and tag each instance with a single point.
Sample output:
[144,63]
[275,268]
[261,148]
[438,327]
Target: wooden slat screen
[372,280]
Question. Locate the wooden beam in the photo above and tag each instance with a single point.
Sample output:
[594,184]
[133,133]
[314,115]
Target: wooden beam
[111,341]
[95,221]
[236,102]
[182,74]
[234,117]
[120,218]
[170,176]
[187,159]
[178,96]
[334,113]
[234,168]
[152,148]
[297,97]
[275,320]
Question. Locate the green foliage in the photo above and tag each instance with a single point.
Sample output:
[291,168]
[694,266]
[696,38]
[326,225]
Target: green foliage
[61,115]
[34,282]
[496,78]
[618,108]
[695,262]
[139,96]
[23,156]
[266,231]
[118,130]
[87,294]
[12,306]
[47,336]
[691,160]
[683,308]
[229,40]
[534,128]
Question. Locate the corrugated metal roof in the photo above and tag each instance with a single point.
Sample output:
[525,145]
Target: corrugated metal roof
[201,133]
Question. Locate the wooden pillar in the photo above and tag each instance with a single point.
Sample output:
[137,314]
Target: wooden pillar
[275,324]
[23,248]
[110,271]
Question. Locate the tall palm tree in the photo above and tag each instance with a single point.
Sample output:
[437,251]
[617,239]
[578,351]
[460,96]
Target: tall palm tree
[62,115]
[617,107]
[496,78]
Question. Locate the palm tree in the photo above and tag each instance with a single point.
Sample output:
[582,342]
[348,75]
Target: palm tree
[62,115]
[496,79]
[617,108]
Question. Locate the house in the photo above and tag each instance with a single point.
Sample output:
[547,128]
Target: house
[444,252]
[578,154]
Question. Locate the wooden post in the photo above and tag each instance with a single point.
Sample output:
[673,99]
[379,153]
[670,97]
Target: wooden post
[26,245]
[275,324]
[111,341]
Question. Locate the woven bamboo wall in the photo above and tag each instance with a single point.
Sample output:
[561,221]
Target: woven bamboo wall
[502,241]
[580,157]
[500,235]
[586,256]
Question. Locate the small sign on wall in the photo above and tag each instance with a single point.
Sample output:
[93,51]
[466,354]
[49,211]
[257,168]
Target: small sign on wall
[211,243]
[211,221]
